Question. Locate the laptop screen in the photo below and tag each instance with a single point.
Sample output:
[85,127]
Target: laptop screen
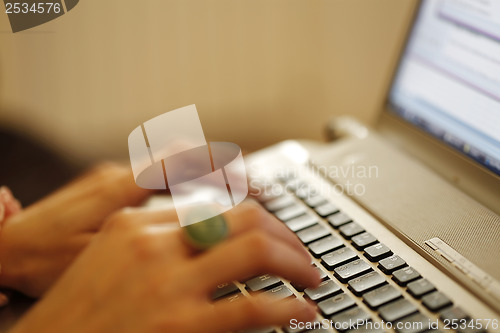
[448,80]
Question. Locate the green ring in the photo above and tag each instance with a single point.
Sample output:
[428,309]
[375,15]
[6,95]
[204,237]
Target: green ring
[207,233]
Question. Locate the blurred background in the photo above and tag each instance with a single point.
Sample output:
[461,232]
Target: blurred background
[259,71]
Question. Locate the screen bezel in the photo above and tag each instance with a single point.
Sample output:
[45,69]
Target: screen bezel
[464,172]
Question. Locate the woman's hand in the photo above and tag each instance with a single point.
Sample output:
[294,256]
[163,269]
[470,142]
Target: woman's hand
[139,275]
[38,243]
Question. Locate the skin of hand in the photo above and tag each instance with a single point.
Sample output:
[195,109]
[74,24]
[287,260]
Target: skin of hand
[38,243]
[139,275]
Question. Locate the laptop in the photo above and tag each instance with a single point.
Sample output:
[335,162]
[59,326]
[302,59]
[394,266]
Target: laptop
[402,219]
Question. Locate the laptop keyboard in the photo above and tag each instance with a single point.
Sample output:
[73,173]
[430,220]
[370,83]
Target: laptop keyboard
[348,251]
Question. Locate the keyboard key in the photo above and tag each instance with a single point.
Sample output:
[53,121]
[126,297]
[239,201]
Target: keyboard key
[338,257]
[265,281]
[326,209]
[381,296]
[301,222]
[336,304]
[224,289]
[363,240]
[389,265]
[366,282]
[324,245]
[306,191]
[436,301]
[351,270]
[294,184]
[454,313]
[349,317]
[279,292]
[279,203]
[315,201]
[377,252]
[325,289]
[415,323]
[405,275]
[420,287]
[336,220]
[350,229]
[397,310]
[290,212]
[313,233]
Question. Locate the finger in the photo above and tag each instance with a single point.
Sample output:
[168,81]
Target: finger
[259,311]
[117,185]
[11,205]
[90,200]
[250,216]
[109,182]
[140,218]
[251,254]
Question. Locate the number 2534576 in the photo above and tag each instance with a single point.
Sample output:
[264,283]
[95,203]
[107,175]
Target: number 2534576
[35,8]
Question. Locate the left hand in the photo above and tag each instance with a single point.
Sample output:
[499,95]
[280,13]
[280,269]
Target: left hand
[139,275]
[37,244]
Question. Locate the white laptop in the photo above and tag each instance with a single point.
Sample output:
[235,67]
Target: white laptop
[403,219]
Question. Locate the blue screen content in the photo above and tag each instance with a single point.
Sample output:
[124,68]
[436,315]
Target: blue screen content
[448,80]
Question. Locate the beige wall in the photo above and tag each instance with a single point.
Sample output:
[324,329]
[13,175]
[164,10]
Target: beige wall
[259,70]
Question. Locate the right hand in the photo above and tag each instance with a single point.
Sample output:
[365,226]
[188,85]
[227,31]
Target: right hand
[139,275]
